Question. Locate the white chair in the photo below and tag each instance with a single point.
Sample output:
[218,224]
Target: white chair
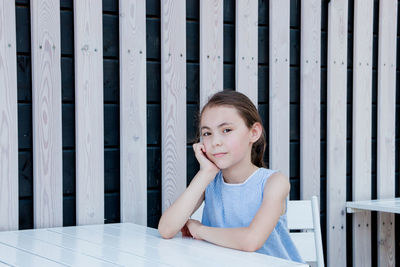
[304,215]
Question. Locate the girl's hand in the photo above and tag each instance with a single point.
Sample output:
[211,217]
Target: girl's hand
[185,231]
[193,227]
[205,163]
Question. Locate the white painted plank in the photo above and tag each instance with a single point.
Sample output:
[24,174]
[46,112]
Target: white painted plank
[46,114]
[89,112]
[279,85]
[46,250]
[336,133]
[173,100]
[8,119]
[133,117]
[246,40]
[232,254]
[362,125]
[98,251]
[310,99]
[209,251]
[16,257]
[211,54]
[158,249]
[386,126]
[385,205]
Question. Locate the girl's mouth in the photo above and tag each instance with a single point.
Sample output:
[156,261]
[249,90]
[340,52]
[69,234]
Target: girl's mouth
[218,155]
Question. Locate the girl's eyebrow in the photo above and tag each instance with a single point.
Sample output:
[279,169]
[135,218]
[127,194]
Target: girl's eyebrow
[219,126]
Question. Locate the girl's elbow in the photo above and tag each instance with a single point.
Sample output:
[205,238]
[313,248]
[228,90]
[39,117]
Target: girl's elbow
[164,231]
[251,244]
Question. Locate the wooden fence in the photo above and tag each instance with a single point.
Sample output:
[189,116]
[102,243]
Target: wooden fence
[47,129]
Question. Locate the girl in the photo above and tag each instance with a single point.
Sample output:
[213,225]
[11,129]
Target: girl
[245,203]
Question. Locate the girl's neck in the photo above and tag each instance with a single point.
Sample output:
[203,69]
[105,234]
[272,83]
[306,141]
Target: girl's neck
[238,174]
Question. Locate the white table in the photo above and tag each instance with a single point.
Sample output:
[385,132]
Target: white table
[384,205]
[124,244]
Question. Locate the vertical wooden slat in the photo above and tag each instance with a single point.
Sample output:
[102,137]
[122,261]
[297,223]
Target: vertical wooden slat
[362,124]
[336,132]
[386,126]
[46,113]
[89,112]
[279,85]
[247,48]
[8,119]
[173,100]
[211,43]
[133,121]
[310,73]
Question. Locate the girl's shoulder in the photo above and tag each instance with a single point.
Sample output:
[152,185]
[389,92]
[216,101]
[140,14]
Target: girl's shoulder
[266,173]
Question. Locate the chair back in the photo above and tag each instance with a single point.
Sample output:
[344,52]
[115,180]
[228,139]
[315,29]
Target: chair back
[305,230]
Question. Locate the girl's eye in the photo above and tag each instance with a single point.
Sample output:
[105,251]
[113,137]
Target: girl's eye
[206,134]
[227,130]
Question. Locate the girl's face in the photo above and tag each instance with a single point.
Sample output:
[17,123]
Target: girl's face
[226,138]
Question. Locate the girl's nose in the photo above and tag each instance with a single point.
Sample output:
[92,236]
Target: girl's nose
[217,141]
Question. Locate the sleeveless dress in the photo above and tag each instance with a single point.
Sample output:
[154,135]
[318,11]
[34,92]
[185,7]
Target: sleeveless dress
[235,205]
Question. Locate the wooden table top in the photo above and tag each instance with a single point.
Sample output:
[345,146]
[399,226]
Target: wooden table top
[123,244]
[384,205]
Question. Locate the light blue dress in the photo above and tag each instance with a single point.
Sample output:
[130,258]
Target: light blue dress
[235,205]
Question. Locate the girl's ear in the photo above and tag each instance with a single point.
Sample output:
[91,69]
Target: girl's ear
[255,132]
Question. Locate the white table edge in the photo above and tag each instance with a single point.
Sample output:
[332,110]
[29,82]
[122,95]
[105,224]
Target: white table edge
[371,205]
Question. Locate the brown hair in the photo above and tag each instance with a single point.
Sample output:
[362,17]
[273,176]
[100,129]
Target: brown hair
[248,112]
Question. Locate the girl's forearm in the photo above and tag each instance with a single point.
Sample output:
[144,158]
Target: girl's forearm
[175,217]
[237,238]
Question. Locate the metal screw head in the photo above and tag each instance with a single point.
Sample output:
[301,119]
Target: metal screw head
[140,52]
[9,45]
[95,50]
[40,46]
[129,50]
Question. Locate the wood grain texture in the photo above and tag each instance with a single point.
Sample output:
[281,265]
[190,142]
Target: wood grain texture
[310,110]
[362,126]
[386,126]
[279,85]
[8,119]
[211,44]
[133,120]
[89,112]
[246,40]
[173,100]
[46,114]
[336,132]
